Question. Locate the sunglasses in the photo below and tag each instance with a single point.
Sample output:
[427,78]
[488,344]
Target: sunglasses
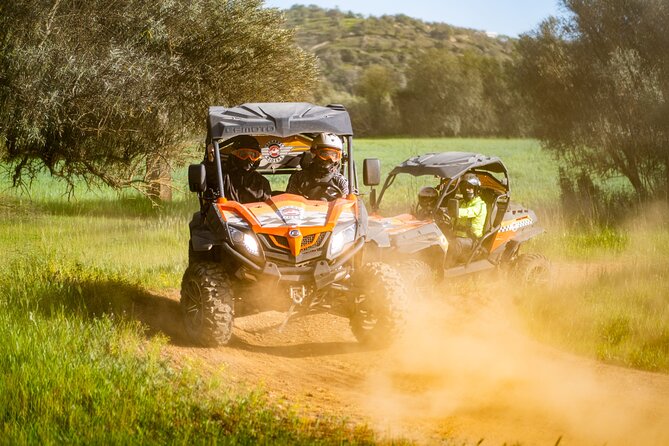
[326,153]
[247,154]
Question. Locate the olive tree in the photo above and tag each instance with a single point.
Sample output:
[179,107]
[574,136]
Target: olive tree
[377,114]
[456,95]
[100,90]
[597,84]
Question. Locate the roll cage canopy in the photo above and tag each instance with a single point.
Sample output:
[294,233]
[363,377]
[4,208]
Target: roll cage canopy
[449,164]
[276,123]
[280,119]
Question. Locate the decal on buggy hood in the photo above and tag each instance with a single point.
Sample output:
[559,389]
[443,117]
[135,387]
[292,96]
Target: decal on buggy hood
[289,210]
[396,225]
[234,218]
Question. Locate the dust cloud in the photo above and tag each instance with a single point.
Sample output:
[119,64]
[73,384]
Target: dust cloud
[466,370]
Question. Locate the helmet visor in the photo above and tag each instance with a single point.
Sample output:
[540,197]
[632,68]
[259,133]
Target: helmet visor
[328,153]
[247,154]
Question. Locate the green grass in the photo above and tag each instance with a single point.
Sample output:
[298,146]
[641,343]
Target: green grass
[616,312]
[76,366]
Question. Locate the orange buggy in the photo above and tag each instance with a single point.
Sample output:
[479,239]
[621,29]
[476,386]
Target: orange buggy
[287,253]
[423,235]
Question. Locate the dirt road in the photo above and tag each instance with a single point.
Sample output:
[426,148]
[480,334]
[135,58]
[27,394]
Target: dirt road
[465,371]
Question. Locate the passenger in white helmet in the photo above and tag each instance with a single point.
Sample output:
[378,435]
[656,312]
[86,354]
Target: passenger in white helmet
[321,179]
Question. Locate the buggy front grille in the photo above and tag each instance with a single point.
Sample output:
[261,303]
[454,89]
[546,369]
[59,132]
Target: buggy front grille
[309,243]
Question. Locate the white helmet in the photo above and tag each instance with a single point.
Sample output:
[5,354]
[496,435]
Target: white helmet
[472,179]
[328,141]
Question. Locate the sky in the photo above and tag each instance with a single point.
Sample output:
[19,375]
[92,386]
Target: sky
[508,17]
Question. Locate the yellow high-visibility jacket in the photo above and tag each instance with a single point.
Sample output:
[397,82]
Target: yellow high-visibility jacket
[471,218]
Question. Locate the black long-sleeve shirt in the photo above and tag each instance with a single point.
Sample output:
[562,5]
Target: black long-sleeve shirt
[305,183]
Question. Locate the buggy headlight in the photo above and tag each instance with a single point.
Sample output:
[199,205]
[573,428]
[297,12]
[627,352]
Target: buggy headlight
[247,241]
[340,239]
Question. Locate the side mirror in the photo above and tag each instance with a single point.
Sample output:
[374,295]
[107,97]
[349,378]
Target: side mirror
[197,178]
[453,205]
[371,172]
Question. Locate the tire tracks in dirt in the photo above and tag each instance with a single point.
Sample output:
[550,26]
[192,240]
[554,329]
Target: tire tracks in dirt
[464,371]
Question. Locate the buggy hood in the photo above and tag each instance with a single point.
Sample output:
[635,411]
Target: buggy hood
[288,211]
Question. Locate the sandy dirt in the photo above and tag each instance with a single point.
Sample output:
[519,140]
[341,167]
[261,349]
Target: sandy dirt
[465,371]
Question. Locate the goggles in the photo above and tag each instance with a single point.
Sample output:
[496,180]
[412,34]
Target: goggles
[328,153]
[247,154]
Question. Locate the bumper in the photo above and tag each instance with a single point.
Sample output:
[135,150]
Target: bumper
[321,273]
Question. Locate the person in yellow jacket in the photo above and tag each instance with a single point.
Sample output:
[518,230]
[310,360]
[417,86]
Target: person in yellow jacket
[468,227]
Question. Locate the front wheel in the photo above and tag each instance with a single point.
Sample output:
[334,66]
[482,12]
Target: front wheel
[417,274]
[380,305]
[207,304]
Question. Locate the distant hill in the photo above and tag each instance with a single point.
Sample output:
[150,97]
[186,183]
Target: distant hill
[346,43]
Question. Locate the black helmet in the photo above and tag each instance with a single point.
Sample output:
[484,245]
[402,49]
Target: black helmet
[469,186]
[244,152]
[427,197]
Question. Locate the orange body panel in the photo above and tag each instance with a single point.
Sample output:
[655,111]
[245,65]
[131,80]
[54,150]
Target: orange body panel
[281,214]
[508,230]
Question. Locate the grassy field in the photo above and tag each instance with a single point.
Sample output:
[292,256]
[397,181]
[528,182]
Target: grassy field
[76,366]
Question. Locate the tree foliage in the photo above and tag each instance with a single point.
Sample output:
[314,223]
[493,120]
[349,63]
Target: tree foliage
[597,83]
[377,112]
[450,95]
[373,66]
[96,88]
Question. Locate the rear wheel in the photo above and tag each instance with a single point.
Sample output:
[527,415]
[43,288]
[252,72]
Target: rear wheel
[380,307]
[532,269]
[417,274]
[207,304]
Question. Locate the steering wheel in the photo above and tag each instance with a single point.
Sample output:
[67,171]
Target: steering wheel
[442,217]
[326,191]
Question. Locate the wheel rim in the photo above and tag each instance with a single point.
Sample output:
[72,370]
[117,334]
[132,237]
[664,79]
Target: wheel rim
[366,316]
[367,319]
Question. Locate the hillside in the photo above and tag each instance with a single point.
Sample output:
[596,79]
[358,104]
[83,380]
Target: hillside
[346,43]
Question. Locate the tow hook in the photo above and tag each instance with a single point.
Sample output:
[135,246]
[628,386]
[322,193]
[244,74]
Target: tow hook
[297,295]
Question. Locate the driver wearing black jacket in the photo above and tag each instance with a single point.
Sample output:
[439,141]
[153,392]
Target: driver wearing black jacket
[241,182]
[321,179]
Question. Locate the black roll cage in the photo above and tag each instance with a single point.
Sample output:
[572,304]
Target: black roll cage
[281,120]
[347,161]
[447,185]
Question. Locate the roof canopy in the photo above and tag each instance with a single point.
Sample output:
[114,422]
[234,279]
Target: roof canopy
[449,164]
[277,119]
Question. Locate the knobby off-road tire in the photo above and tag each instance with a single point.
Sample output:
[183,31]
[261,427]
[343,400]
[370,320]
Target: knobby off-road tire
[207,304]
[532,269]
[381,305]
[416,274]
